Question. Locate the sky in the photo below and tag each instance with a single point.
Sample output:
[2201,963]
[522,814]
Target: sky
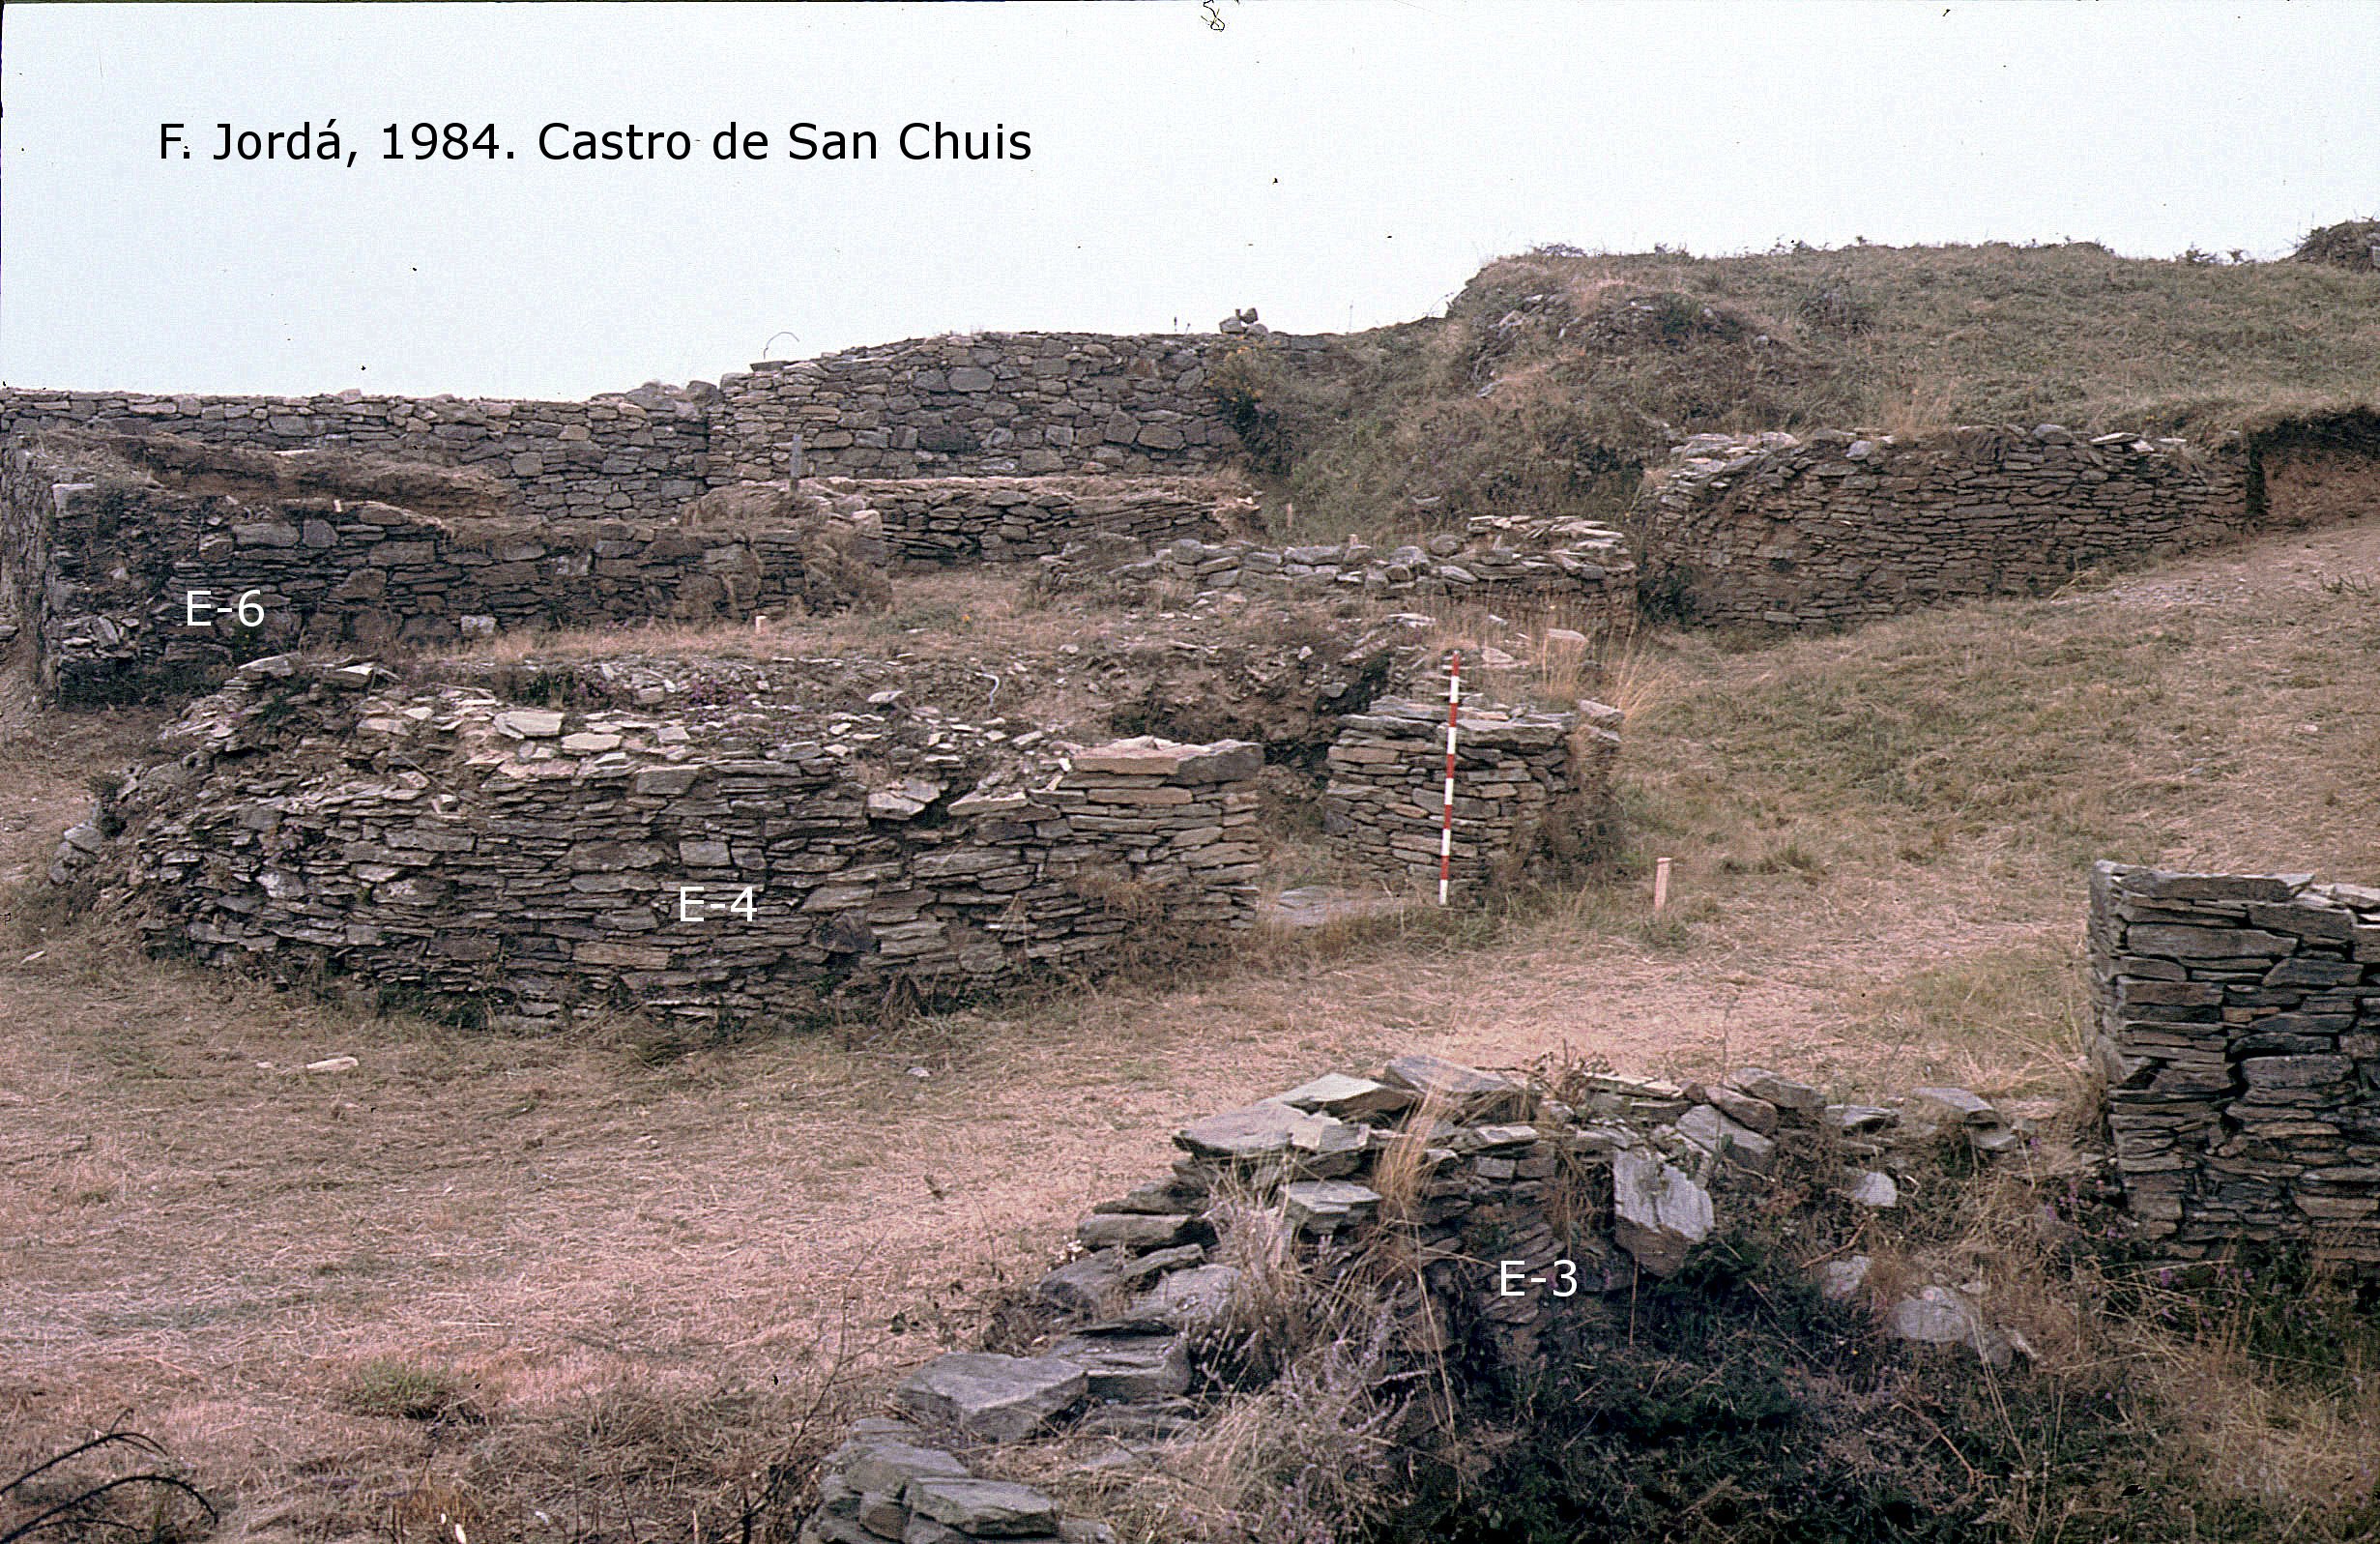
[1335,164]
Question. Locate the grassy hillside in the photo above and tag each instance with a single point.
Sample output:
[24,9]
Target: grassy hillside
[1555,376]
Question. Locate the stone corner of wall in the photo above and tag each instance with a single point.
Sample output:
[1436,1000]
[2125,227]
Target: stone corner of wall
[2238,1034]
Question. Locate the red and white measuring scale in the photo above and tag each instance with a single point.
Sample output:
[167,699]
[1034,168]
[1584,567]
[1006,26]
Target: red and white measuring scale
[1447,826]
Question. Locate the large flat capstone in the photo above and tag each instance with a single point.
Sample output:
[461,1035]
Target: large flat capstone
[1148,756]
[1323,1145]
[1458,1092]
[1001,1399]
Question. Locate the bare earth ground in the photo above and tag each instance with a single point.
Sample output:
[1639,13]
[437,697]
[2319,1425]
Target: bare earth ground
[637,1275]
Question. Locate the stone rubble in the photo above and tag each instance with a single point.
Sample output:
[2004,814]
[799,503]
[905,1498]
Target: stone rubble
[890,1481]
[1472,1168]
[1578,564]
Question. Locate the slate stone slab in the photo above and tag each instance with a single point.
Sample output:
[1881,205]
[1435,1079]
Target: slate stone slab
[1188,1299]
[1001,1399]
[1337,1094]
[1140,1231]
[885,1466]
[1961,1105]
[1800,1099]
[1713,1132]
[1130,1367]
[983,1508]
[1658,1211]
[2159,885]
[2206,942]
[1459,1091]
[1325,1205]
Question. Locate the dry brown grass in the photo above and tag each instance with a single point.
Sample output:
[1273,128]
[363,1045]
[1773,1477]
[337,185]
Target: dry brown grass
[1546,672]
[1326,1351]
[1925,406]
[641,1270]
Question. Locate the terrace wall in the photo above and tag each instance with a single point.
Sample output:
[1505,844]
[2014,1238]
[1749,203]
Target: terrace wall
[985,403]
[943,520]
[101,567]
[603,459]
[1838,528]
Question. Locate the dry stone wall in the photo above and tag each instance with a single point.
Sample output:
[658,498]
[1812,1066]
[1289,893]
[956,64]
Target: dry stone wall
[1524,781]
[1580,570]
[1839,528]
[937,521]
[102,566]
[1505,1204]
[2239,1034]
[641,454]
[747,862]
[978,403]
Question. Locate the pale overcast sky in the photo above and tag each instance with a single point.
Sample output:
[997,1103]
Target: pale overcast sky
[1332,164]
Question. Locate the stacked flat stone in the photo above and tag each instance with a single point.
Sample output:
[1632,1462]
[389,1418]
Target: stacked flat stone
[1578,564]
[897,1482]
[99,565]
[1515,770]
[634,455]
[1515,1206]
[525,863]
[2239,1034]
[939,521]
[1840,527]
[984,403]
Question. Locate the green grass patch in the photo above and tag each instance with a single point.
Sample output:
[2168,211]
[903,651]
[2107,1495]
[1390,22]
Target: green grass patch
[397,1389]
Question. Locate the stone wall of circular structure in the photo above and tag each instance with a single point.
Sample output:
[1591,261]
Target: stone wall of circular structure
[637,454]
[743,862]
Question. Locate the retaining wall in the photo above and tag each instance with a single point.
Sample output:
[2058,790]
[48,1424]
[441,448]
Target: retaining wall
[2239,1033]
[978,403]
[603,458]
[1579,570]
[1838,528]
[101,564]
[490,859]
